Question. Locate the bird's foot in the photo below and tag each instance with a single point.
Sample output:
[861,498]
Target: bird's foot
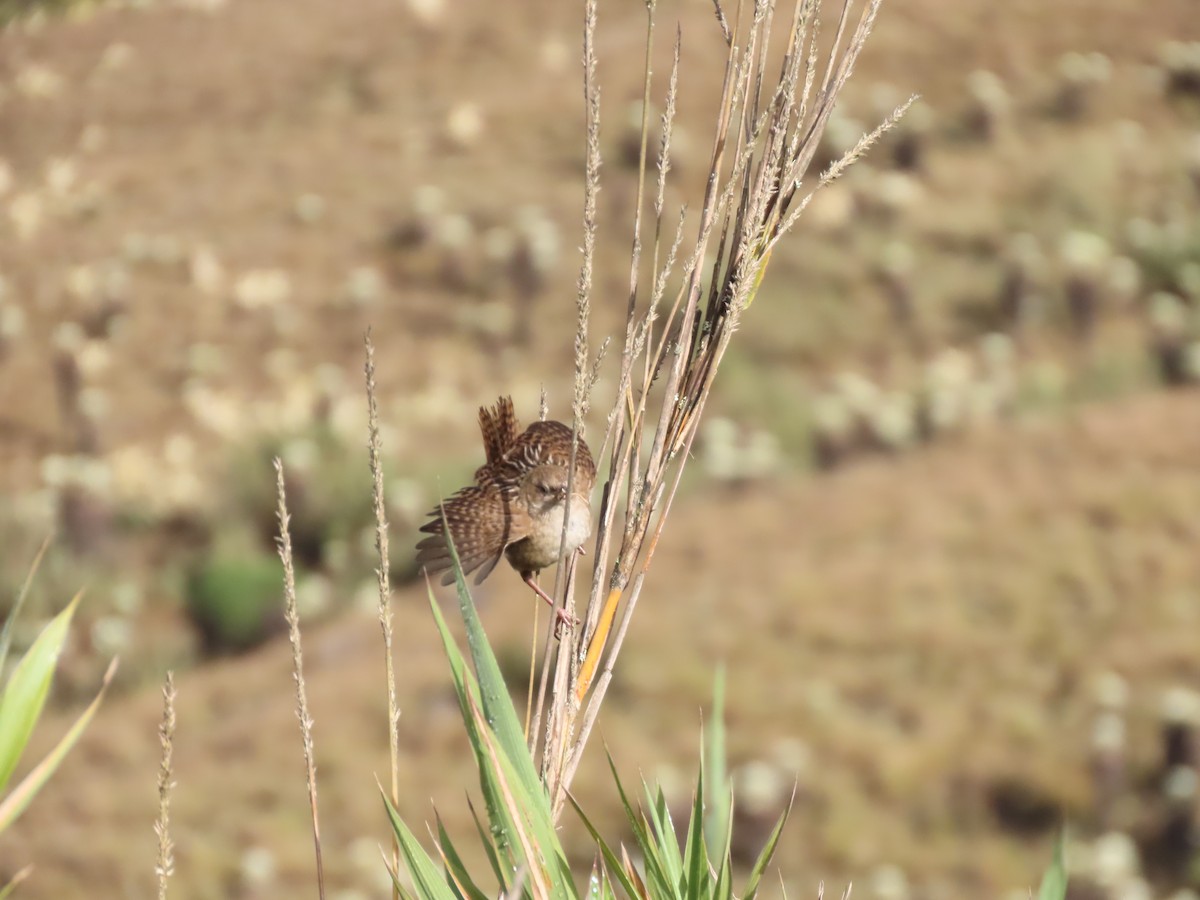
[564,621]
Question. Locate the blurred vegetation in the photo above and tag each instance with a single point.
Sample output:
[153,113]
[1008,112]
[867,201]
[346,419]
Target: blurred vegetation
[235,603]
[14,10]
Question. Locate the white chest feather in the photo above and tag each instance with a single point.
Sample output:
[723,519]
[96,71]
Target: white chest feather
[541,548]
[579,524]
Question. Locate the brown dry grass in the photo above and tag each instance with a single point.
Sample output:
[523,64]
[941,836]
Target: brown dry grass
[217,124]
[925,627]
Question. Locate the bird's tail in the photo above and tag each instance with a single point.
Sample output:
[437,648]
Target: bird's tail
[499,427]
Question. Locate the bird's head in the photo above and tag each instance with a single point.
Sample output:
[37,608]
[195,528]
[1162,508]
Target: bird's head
[544,488]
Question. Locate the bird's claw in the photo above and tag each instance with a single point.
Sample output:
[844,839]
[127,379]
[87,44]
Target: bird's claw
[563,620]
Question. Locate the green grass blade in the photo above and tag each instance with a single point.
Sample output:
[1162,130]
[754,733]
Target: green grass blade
[16,802]
[768,852]
[26,691]
[6,632]
[1054,882]
[402,890]
[611,859]
[425,873]
[636,823]
[651,858]
[513,813]
[723,889]
[530,814]
[665,838]
[501,828]
[596,882]
[719,797]
[512,767]
[489,849]
[497,704]
[599,884]
[695,858]
[640,885]
[522,851]
[454,865]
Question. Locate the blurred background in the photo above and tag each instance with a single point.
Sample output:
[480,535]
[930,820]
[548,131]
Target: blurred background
[941,526]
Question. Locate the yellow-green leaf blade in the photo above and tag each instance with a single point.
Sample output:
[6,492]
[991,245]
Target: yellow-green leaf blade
[15,880]
[16,802]
[1054,882]
[27,689]
[424,871]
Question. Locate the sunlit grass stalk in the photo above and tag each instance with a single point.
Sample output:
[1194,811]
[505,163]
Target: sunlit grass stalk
[766,132]
[557,713]
[382,574]
[292,614]
[165,867]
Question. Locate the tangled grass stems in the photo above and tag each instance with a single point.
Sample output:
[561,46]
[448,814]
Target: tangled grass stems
[765,137]
[292,614]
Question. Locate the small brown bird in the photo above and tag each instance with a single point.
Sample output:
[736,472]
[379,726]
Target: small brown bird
[517,504]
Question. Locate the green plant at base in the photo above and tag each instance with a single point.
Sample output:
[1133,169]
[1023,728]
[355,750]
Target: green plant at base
[1054,882]
[234,601]
[519,838]
[327,490]
[703,868]
[21,704]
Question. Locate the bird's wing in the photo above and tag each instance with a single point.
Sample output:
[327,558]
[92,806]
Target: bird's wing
[482,521]
[550,443]
[500,429]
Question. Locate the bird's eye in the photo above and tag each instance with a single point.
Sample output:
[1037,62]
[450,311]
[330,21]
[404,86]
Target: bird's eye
[545,488]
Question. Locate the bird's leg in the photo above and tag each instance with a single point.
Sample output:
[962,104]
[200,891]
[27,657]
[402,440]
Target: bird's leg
[528,576]
[561,614]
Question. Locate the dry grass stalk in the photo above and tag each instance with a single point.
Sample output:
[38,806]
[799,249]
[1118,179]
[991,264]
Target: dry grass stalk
[562,664]
[374,446]
[22,875]
[165,866]
[292,615]
[766,135]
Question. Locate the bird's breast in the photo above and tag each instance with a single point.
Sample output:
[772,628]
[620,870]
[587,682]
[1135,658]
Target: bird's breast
[541,548]
[579,524]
